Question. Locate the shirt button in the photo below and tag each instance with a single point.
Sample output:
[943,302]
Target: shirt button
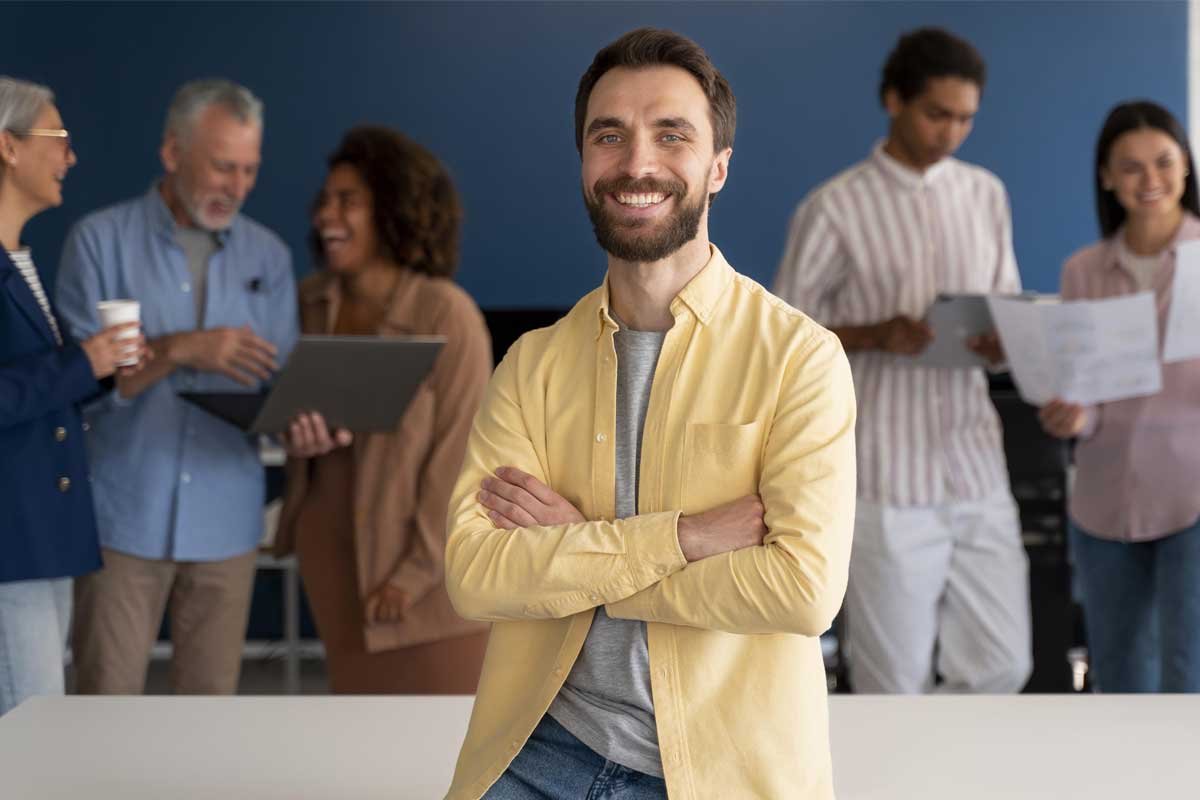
[60,434]
[601,438]
[558,672]
[187,287]
[595,598]
[64,484]
[186,477]
[661,570]
[87,426]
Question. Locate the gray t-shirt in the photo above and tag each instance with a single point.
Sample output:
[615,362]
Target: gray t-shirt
[606,701]
[198,246]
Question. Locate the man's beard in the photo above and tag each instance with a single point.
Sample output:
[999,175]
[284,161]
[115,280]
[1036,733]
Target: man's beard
[621,240]
[196,207]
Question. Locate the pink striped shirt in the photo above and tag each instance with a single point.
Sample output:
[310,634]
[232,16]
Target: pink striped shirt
[879,240]
[1137,473]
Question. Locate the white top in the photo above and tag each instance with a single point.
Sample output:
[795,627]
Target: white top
[23,260]
[879,240]
[1143,269]
[1032,747]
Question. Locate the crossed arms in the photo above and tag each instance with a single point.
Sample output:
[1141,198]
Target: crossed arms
[519,550]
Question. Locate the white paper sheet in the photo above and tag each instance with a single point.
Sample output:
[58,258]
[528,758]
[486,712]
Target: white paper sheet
[1084,351]
[1182,338]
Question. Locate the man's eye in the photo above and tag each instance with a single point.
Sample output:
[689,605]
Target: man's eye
[609,138]
[672,137]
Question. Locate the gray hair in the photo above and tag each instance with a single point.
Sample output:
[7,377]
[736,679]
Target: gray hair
[21,102]
[194,96]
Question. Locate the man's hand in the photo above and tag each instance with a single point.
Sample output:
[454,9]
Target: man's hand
[987,345]
[516,499]
[308,436]
[386,604]
[722,529]
[236,353]
[1062,419]
[903,335]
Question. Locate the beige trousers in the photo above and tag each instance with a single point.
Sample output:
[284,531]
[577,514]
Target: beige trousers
[118,611]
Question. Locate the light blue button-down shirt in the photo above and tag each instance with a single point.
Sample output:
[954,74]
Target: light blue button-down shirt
[170,480]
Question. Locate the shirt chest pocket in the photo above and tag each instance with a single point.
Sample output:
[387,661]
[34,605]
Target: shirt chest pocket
[722,462]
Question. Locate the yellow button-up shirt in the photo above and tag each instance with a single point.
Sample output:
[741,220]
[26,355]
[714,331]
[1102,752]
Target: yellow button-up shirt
[749,396]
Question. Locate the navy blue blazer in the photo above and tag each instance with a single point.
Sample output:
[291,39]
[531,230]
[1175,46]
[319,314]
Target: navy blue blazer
[47,523]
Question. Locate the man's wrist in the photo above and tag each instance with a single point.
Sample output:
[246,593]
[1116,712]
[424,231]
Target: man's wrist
[169,349]
[685,532]
[871,337]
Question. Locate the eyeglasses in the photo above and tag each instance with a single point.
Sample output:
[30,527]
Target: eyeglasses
[56,133]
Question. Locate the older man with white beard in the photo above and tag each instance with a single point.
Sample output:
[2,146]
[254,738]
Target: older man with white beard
[178,492]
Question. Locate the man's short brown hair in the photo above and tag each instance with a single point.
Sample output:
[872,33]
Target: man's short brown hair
[652,47]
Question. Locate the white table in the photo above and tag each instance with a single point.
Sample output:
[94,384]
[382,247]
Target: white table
[403,748]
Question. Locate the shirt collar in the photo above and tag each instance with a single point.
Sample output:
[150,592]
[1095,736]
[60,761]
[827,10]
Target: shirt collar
[905,175]
[1189,229]
[164,221]
[700,295]
[327,291]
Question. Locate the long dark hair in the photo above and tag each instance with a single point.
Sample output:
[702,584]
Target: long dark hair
[1124,118]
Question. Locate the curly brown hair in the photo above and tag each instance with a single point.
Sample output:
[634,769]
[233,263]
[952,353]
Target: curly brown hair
[414,203]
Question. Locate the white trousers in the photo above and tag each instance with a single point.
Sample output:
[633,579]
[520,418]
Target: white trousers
[944,586]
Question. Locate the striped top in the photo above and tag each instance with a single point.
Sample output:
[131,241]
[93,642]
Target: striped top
[23,260]
[879,240]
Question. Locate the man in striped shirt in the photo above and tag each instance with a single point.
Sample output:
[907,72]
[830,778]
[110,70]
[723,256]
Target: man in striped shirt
[938,577]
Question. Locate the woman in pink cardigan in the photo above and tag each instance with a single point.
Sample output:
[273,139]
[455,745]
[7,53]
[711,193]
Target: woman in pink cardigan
[1134,533]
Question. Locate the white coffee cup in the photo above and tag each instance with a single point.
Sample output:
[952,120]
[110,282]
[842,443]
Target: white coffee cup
[119,312]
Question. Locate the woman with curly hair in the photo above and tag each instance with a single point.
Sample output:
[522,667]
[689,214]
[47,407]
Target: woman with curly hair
[366,515]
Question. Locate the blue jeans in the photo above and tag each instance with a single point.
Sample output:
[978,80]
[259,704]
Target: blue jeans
[554,765]
[34,621]
[1141,605]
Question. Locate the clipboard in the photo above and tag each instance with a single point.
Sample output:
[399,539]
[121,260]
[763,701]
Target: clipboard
[361,383]
[954,318]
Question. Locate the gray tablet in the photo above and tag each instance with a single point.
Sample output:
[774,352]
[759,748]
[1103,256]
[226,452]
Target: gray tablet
[954,318]
[362,383]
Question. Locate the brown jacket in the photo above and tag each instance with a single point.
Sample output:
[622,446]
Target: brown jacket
[403,479]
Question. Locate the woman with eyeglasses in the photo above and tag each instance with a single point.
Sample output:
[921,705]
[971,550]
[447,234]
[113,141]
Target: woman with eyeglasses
[48,531]
[1135,506]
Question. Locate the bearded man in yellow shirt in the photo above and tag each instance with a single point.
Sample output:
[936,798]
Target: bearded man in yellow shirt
[656,505]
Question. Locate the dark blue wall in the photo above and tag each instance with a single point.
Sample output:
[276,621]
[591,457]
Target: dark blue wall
[489,87]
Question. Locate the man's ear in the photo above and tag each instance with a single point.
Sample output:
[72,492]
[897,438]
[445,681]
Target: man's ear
[892,103]
[170,153]
[720,170]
